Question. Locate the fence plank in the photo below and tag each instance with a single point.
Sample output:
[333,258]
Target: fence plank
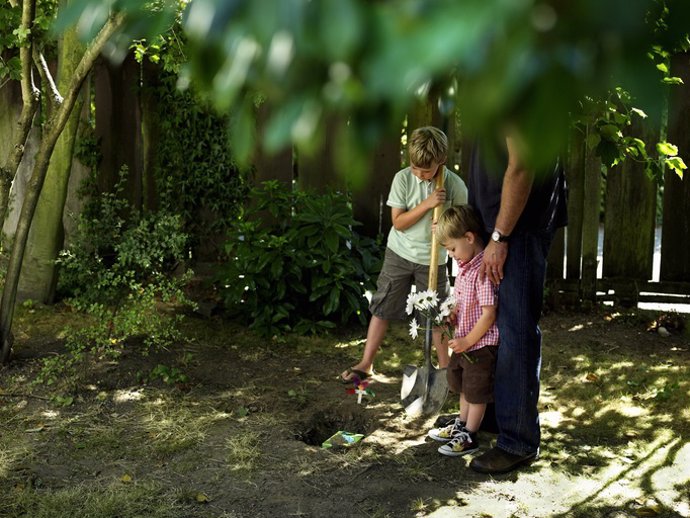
[118,125]
[575,174]
[278,166]
[590,224]
[629,216]
[675,252]
[319,172]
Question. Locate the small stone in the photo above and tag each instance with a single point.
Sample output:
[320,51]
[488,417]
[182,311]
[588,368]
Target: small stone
[663,332]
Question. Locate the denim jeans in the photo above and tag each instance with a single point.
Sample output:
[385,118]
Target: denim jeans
[520,299]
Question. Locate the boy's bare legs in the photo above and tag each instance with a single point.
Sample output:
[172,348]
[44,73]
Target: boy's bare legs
[471,413]
[375,335]
[440,342]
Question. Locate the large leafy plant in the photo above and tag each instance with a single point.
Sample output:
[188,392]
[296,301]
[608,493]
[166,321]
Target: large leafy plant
[296,263]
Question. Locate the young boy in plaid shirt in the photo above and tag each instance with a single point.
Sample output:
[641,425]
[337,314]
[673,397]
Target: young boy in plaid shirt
[471,369]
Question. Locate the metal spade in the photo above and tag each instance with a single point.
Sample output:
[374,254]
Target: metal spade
[424,389]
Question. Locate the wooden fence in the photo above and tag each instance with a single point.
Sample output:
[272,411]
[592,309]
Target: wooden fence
[630,206]
[629,215]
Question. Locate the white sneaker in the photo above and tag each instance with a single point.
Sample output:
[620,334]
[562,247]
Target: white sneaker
[445,433]
[462,443]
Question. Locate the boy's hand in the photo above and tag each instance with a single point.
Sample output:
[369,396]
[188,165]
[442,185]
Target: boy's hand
[458,345]
[436,198]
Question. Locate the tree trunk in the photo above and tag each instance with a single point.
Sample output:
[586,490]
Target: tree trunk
[29,107]
[38,276]
[54,129]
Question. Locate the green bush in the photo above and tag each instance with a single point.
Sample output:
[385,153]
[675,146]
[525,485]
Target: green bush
[120,267]
[295,262]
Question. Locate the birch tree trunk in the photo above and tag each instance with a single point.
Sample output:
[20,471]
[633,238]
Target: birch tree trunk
[52,132]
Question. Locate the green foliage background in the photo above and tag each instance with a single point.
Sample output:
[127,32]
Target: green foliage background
[196,176]
[296,262]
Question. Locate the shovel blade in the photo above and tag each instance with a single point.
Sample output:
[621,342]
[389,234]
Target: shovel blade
[419,396]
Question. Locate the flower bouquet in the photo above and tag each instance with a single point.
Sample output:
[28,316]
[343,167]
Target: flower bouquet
[441,316]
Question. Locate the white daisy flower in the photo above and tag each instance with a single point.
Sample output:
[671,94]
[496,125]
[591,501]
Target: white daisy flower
[412,299]
[427,300]
[447,307]
[414,328]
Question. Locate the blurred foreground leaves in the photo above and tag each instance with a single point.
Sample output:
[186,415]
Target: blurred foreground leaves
[525,63]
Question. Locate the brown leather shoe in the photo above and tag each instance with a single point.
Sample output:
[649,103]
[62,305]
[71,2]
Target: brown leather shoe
[497,460]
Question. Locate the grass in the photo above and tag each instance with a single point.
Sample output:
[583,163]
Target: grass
[93,501]
[615,430]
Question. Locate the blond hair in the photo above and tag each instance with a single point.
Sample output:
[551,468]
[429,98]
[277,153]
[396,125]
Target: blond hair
[456,221]
[427,146]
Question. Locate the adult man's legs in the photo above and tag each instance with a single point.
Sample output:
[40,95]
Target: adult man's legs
[518,363]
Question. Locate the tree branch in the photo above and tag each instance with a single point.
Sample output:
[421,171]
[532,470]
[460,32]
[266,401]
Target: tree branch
[47,78]
[52,132]
[8,170]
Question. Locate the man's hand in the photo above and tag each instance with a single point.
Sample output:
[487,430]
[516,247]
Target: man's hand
[495,255]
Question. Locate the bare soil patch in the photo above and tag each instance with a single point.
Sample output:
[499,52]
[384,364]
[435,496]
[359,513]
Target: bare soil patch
[241,435]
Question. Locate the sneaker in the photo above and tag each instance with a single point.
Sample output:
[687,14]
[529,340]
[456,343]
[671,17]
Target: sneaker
[445,433]
[461,443]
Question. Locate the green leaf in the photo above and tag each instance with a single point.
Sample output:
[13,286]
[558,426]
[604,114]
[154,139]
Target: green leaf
[639,112]
[332,242]
[667,149]
[677,164]
[333,301]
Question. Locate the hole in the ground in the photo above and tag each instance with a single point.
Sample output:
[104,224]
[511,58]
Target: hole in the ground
[322,425]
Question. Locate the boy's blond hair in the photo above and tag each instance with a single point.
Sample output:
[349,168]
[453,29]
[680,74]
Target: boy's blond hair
[456,221]
[427,146]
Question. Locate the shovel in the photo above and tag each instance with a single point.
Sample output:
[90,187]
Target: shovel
[424,389]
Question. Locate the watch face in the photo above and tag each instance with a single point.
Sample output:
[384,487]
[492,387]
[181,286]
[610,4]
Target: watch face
[495,236]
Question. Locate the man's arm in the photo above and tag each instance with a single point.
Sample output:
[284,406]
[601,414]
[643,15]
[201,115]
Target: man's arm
[517,185]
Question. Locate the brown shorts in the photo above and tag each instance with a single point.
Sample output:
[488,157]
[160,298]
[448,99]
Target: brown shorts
[395,281]
[475,380]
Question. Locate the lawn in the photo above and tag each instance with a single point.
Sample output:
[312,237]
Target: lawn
[227,424]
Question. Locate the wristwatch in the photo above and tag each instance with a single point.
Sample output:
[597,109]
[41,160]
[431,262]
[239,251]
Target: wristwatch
[498,237]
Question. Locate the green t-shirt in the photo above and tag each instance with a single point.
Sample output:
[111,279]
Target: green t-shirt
[408,191]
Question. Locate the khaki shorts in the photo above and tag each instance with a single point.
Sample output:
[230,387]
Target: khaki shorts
[395,281]
[474,380]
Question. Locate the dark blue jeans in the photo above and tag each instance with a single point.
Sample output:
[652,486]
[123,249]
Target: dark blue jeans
[520,299]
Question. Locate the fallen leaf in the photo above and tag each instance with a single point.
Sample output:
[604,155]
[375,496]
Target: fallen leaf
[592,377]
[201,498]
[648,510]
[126,478]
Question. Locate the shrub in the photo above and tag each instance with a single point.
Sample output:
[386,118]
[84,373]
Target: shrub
[295,262]
[118,270]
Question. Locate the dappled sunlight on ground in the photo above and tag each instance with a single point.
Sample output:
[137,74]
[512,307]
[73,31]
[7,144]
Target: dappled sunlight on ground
[243,437]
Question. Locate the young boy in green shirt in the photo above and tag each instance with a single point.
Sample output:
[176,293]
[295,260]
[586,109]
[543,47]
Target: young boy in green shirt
[412,199]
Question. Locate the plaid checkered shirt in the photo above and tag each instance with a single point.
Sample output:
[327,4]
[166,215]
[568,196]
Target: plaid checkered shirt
[470,295]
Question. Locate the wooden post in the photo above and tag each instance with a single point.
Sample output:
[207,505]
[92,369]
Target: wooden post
[590,225]
[675,252]
[629,223]
[575,174]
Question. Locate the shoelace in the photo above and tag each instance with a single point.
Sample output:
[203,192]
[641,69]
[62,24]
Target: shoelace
[459,437]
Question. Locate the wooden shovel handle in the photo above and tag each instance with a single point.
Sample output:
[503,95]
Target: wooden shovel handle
[433,266]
